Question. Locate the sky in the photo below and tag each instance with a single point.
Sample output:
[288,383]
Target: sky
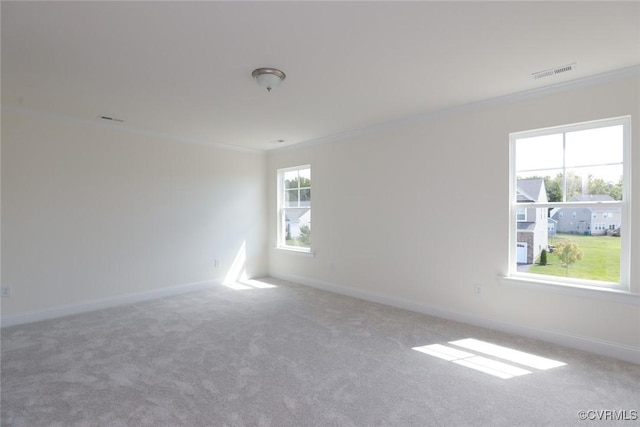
[597,151]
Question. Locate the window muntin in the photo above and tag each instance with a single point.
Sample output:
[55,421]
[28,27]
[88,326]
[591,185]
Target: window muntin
[584,193]
[294,208]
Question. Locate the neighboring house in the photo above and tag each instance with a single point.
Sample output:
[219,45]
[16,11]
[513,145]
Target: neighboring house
[532,224]
[552,227]
[294,219]
[590,221]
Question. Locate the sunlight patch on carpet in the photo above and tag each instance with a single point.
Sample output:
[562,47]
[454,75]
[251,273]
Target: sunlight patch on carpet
[519,357]
[238,286]
[259,284]
[248,284]
[443,352]
[504,368]
[492,367]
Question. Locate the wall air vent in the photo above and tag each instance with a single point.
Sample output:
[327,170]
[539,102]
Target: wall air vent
[112,119]
[554,71]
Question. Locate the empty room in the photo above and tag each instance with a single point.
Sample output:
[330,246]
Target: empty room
[320,213]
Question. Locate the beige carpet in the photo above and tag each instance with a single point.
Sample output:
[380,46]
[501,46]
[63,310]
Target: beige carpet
[278,354]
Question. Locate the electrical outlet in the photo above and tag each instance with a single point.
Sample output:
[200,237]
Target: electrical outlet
[216,263]
[478,290]
[6,291]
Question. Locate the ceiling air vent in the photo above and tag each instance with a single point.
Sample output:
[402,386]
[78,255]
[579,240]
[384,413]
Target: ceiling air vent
[554,71]
[111,119]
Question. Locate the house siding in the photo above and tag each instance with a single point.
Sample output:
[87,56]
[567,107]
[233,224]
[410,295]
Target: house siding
[584,222]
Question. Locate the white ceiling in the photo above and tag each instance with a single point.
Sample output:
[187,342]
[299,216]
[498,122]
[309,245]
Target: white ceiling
[183,69]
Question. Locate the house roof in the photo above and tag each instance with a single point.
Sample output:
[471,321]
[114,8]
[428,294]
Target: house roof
[588,198]
[295,214]
[526,226]
[591,198]
[529,189]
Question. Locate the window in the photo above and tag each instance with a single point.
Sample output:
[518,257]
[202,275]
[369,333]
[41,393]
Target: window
[294,208]
[582,169]
[521,214]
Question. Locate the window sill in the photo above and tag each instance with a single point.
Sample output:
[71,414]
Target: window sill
[296,251]
[599,293]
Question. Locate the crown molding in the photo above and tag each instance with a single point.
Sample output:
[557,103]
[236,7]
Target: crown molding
[598,79]
[595,80]
[122,128]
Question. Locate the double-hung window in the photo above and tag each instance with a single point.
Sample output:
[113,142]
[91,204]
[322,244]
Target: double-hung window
[569,210]
[294,208]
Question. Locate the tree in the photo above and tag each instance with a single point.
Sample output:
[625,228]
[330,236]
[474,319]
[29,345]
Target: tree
[569,253]
[543,257]
[600,186]
[297,191]
[554,188]
[305,235]
[298,182]
[574,186]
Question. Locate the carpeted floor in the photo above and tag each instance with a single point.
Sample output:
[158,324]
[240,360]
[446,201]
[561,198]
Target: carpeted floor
[290,355]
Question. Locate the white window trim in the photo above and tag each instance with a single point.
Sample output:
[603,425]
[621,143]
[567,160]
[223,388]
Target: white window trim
[280,243]
[574,289]
[542,281]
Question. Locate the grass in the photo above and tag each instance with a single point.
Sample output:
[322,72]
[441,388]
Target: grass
[600,259]
[298,242]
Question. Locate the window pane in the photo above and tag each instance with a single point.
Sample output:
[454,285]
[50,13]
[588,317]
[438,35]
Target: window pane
[578,164]
[540,152]
[298,227]
[291,179]
[594,146]
[552,186]
[581,243]
[599,183]
[291,198]
[305,197]
[294,206]
[306,174]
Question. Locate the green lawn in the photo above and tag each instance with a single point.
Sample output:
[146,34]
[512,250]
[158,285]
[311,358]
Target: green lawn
[298,242]
[600,260]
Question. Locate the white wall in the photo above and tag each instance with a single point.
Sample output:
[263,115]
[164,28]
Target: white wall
[418,215]
[91,212]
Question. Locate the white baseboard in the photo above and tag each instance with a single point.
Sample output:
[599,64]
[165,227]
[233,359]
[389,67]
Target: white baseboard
[622,352]
[83,307]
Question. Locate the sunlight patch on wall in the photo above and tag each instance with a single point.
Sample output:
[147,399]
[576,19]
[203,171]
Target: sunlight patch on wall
[237,271]
[498,368]
[236,277]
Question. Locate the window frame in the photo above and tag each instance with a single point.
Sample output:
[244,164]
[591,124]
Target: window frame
[624,205]
[281,242]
